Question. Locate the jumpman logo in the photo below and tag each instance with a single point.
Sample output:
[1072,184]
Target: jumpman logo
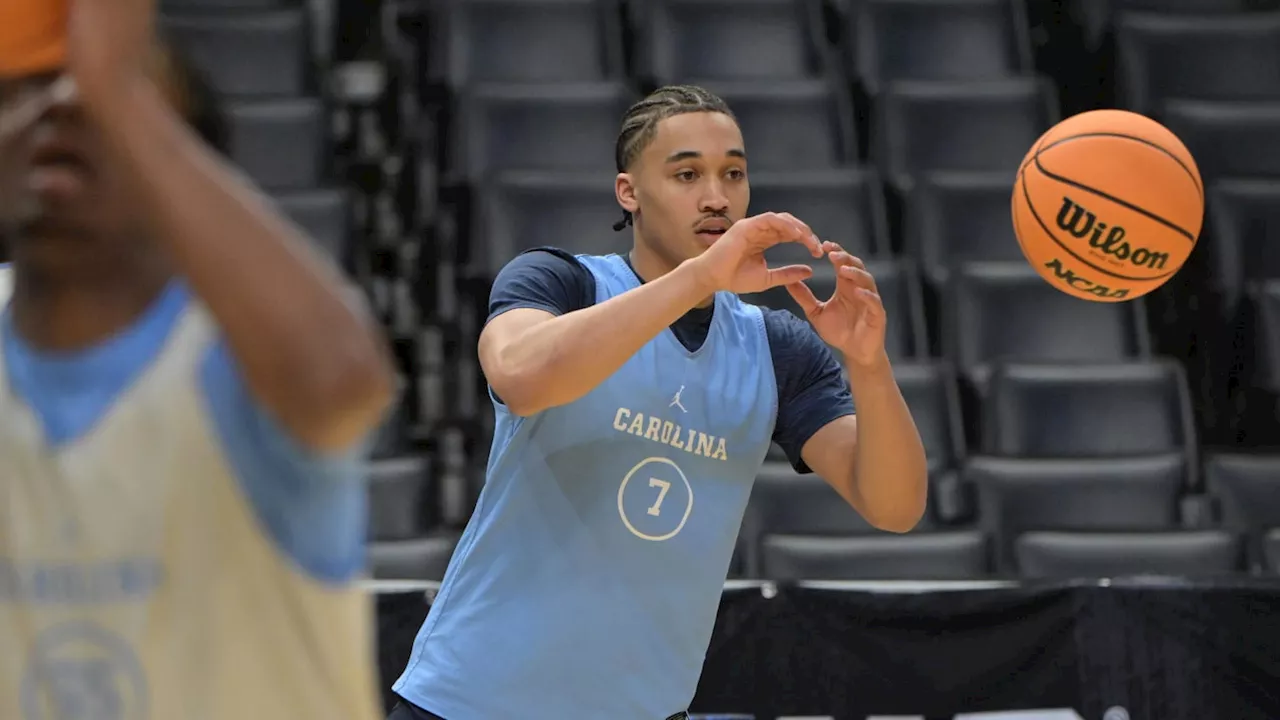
[675,401]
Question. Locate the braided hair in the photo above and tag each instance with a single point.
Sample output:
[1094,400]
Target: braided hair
[640,124]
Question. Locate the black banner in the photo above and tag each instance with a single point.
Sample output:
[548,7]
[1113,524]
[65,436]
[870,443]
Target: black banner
[1111,651]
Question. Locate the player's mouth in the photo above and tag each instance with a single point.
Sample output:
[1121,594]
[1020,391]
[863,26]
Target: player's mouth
[57,170]
[711,230]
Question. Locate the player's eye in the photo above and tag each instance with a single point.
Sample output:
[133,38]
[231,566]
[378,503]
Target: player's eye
[686,176]
[737,174]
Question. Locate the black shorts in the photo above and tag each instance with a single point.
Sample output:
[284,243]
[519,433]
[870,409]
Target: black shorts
[405,710]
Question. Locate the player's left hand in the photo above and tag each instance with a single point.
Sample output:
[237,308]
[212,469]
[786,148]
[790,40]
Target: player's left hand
[853,318]
[109,45]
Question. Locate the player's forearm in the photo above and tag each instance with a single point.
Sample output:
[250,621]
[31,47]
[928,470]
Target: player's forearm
[309,349]
[566,357]
[890,469]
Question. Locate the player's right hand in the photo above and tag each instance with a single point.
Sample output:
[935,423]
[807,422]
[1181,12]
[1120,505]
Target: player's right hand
[736,262]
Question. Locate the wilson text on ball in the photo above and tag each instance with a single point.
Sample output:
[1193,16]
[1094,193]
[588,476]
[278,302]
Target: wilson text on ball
[1080,222]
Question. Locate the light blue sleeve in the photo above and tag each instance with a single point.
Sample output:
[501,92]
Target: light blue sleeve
[313,506]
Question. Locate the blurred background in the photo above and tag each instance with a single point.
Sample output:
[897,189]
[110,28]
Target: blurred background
[424,143]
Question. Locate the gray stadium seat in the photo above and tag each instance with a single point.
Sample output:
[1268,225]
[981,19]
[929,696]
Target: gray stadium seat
[1019,495]
[956,555]
[1207,57]
[1244,222]
[934,399]
[1206,553]
[900,292]
[695,41]
[817,116]
[1005,312]
[326,216]
[1088,411]
[521,210]
[279,143]
[938,40]
[399,491]
[1246,491]
[844,206]
[784,502]
[954,218]
[246,53]
[1266,298]
[976,126]
[1228,139]
[566,126]
[1271,552]
[527,41]
[424,558]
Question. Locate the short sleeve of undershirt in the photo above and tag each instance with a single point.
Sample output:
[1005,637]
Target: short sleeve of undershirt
[812,390]
[545,279]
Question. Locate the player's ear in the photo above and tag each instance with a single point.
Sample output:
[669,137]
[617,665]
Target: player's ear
[624,189]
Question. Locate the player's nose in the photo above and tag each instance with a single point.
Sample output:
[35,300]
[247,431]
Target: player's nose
[713,200]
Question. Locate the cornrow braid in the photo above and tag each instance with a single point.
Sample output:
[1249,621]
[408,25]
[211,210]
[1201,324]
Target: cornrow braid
[640,124]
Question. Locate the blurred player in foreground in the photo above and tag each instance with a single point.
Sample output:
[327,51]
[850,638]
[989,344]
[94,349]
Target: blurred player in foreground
[186,391]
[636,398]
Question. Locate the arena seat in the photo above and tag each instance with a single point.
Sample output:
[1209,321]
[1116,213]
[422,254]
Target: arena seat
[424,558]
[246,53]
[845,205]
[931,393]
[325,214]
[1204,57]
[1005,312]
[1016,495]
[1271,552]
[700,41]
[1098,410]
[952,555]
[899,287]
[1266,298]
[975,126]
[955,217]
[785,502]
[1202,553]
[278,142]
[954,40]
[522,210]
[527,41]
[1246,490]
[398,491]
[560,126]
[817,114]
[1228,139]
[1244,231]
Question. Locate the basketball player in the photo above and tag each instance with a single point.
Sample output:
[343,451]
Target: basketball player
[185,389]
[636,399]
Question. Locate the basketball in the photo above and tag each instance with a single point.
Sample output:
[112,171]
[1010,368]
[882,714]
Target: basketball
[32,35]
[1107,205]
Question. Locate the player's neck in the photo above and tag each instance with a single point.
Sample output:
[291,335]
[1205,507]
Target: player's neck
[61,314]
[650,266]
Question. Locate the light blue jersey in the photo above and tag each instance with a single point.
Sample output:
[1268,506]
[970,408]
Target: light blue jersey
[587,582]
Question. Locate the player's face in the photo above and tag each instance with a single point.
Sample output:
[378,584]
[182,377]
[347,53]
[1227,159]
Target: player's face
[692,183]
[56,191]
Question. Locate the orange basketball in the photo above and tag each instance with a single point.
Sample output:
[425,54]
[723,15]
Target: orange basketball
[1107,205]
[32,36]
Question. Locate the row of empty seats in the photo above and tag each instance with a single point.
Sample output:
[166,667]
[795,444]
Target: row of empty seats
[1092,518]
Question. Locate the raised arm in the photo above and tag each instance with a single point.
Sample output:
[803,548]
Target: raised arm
[536,360]
[309,351]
